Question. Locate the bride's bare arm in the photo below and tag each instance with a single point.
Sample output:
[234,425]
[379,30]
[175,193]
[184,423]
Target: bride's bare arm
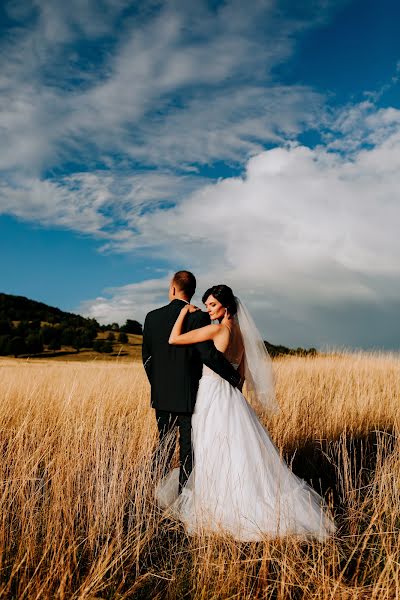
[203,334]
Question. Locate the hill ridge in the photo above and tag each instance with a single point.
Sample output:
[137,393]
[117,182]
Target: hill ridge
[30,327]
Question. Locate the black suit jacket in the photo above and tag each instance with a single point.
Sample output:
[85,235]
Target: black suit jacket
[174,371]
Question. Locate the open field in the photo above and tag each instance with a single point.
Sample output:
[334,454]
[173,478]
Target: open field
[121,352]
[77,516]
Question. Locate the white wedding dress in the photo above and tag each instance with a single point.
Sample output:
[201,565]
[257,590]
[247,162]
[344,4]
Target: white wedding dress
[239,484]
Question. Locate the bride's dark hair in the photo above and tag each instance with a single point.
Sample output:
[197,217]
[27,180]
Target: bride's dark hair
[223,293]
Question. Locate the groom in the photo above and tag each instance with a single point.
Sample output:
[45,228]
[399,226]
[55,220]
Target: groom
[174,371]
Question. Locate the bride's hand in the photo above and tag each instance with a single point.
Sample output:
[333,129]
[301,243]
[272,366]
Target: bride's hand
[189,308]
[192,308]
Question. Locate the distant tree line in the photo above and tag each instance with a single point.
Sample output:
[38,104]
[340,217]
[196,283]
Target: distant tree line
[29,327]
[275,351]
[130,326]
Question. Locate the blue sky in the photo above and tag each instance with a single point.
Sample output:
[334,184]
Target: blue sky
[256,144]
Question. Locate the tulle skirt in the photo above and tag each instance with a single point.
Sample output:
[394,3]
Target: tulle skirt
[239,484]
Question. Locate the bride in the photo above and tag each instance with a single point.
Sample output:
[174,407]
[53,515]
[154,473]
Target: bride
[239,484]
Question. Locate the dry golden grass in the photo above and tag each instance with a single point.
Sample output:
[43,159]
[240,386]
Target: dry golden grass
[78,518]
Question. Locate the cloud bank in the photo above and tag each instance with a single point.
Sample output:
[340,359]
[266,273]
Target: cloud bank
[309,237]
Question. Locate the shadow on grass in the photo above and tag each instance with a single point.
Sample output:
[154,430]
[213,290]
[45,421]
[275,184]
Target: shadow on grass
[322,462]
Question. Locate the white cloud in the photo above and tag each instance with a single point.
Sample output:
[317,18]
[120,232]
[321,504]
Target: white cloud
[229,126]
[302,233]
[164,90]
[358,125]
[176,87]
[130,301]
[101,204]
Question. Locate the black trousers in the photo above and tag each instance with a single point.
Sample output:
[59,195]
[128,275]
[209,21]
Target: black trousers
[168,423]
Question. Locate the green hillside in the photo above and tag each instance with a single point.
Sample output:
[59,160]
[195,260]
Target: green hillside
[31,328]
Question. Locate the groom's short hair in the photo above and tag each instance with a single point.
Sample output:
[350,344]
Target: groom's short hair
[185,281]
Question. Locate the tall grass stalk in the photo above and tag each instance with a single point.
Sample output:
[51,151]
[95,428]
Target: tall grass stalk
[78,517]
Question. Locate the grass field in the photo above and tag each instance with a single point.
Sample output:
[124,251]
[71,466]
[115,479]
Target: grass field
[121,352]
[78,519]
